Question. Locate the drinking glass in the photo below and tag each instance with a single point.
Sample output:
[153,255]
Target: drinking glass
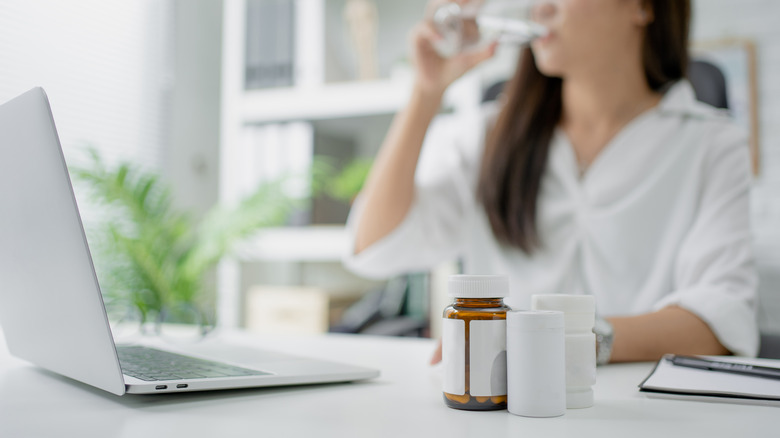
[475,24]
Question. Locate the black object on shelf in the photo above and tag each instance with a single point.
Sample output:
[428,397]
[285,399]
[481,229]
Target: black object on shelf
[270,43]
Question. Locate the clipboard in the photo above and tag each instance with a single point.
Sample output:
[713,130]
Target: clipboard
[668,380]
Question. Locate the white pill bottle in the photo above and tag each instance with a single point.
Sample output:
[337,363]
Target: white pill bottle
[536,366]
[579,313]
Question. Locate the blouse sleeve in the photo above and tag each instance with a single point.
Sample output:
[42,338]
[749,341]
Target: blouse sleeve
[433,229]
[715,274]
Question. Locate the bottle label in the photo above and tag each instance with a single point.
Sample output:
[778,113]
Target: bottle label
[487,358]
[453,355]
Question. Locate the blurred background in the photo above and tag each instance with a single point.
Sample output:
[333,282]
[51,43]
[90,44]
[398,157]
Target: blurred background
[218,98]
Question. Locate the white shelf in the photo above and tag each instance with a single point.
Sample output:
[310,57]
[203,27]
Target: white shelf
[349,99]
[321,243]
[345,100]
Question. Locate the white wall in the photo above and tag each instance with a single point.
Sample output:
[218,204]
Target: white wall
[138,79]
[191,160]
[758,21]
[755,20]
[104,64]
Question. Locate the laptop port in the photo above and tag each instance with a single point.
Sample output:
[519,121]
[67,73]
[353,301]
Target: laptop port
[182,385]
[158,387]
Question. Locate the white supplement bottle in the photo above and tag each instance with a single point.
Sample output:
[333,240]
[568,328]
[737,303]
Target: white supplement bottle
[580,315]
[536,366]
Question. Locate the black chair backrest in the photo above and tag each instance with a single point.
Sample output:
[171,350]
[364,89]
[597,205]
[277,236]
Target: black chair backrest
[707,80]
[708,83]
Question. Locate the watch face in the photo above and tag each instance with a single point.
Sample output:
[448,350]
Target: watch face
[602,327]
[603,331]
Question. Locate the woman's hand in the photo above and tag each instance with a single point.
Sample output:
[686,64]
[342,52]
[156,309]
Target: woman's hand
[436,358]
[670,330]
[434,72]
[389,190]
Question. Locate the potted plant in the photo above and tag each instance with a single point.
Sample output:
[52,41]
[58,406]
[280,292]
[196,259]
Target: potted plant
[152,259]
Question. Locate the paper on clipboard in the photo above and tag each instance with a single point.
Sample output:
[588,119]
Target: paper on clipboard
[668,378]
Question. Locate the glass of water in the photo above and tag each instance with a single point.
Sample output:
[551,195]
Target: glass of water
[475,24]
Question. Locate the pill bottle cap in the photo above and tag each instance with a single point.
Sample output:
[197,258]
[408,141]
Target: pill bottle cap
[534,320]
[579,310]
[478,286]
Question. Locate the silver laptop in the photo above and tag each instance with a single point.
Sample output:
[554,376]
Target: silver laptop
[51,307]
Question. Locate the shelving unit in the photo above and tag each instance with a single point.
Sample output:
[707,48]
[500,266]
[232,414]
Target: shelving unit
[323,96]
[326,102]
[296,244]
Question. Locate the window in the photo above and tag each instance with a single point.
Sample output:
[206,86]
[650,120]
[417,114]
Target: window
[106,66]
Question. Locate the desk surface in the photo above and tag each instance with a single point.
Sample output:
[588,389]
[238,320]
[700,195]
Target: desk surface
[405,401]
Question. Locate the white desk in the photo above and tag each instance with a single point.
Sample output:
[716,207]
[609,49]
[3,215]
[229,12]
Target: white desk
[405,401]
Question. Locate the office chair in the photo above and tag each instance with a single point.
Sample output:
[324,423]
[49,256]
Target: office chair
[708,83]
[385,311]
[707,80]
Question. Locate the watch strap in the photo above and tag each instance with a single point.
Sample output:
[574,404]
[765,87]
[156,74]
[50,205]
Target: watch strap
[604,338]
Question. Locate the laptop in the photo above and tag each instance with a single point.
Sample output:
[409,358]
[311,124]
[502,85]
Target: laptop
[51,307]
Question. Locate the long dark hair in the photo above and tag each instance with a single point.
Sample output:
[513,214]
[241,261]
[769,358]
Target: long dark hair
[517,147]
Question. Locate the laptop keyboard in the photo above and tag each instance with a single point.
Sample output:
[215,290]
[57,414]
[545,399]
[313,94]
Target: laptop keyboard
[150,364]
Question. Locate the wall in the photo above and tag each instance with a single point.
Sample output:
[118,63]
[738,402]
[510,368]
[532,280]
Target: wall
[757,20]
[191,161]
[104,65]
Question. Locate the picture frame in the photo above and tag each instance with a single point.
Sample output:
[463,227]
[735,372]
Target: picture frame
[737,60]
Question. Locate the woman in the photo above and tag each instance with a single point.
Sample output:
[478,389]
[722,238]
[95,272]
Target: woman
[598,173]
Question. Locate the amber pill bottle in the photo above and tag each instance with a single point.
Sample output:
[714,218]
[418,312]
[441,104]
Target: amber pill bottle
[474,343]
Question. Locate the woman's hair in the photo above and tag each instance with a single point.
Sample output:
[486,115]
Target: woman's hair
[517,147]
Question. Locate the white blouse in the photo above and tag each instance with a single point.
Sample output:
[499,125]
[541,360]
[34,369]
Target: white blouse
[660,218]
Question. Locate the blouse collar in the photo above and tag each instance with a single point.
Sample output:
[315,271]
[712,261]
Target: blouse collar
[680,99]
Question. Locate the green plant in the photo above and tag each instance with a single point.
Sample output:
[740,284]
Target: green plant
[153,257]
[347,183]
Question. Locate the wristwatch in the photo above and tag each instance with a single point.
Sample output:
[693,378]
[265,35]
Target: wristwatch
[604,337]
